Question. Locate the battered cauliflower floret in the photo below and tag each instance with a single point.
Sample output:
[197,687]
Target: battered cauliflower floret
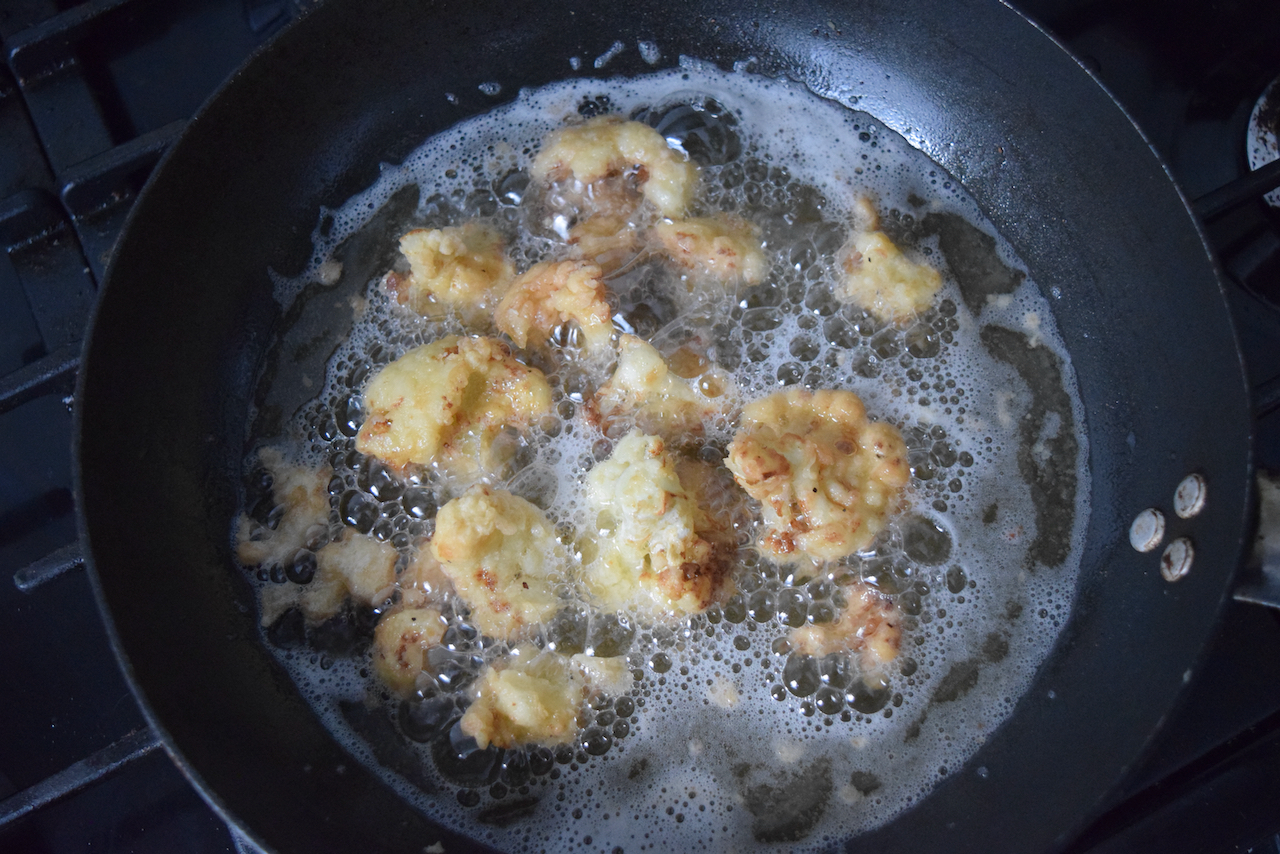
[354,565]
[827,478]
[870,626]
[462,269]
[302,494]
[722,248]
[879,278]
[400,643]
[499,552]
[658,552]
[535,698]
[608,147]
[644,389]
[448,402]
[552,293]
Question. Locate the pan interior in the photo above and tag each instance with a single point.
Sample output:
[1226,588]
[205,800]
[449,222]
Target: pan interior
[984,561]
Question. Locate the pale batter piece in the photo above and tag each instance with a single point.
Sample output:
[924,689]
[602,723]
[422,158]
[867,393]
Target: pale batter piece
[354,565]
[302,497]
[870,626]
[423,580]
[721,249]
[610,241]
[879,278]
[534,697]
[448,403]
[644,391]
[826,477]
[657,552]
[500,553]
[606,148]
[553,293]
[462,269]
[400,644]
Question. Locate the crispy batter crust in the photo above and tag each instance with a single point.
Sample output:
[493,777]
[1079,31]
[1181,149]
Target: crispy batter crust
[447,402]
[607,146]
[826,477]
[659,550]
[879,278]
[498,550]
[724,249]
[869,626]
[555,292]
[463,269]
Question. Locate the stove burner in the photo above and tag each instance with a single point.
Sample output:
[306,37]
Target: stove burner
[1264,134]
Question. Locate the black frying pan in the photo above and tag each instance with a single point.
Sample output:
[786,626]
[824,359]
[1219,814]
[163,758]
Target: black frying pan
[186,318]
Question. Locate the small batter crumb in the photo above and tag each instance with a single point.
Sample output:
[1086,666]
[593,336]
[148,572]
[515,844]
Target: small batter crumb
[302,495]
[870,626]
[354,565]
[608,241]
[722,693]
[400,643]
[645,392]
[529,697]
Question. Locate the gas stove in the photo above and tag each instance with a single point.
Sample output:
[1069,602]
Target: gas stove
[90,98]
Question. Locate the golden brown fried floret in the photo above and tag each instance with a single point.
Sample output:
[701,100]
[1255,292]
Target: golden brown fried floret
[657,552]
[826,477]
[499,552]
[645,391]
[534,697]
[400,644]
[532,700]
[608,147]
[553,293]
[462,269]
[870,626]
[608,241]
[448,402]
[879,278]
[723,249]
[303,498]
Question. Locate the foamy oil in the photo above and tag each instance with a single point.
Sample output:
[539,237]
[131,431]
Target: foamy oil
[726,739]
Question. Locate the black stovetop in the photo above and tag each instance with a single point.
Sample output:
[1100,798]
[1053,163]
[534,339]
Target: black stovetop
[94,91]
